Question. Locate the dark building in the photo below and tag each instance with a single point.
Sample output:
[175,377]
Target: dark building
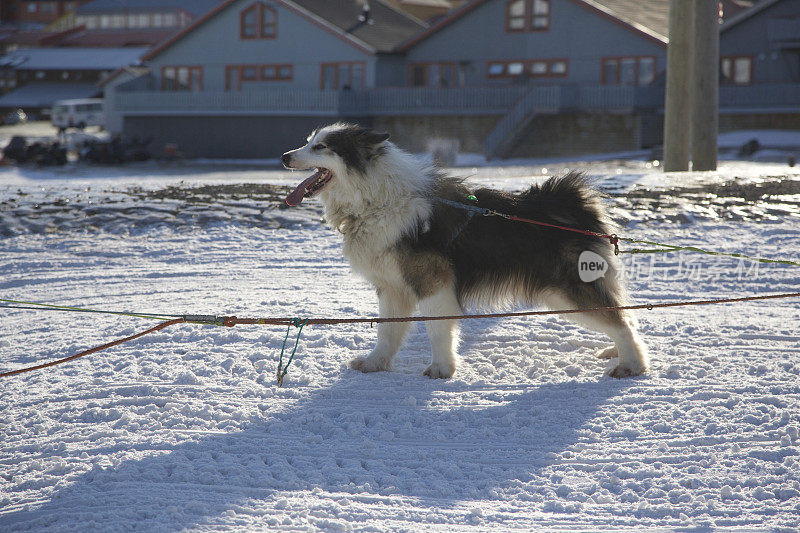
[38,77]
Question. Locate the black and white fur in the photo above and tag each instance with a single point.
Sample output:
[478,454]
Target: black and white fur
[418,251]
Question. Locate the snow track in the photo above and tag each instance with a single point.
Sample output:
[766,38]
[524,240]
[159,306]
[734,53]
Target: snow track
[185,429]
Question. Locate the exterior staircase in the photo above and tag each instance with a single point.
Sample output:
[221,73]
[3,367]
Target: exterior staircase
[536,101]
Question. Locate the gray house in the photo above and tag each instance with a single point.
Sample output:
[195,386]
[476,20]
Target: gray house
[595,42]
[582,61]
[762,44]
[495,75]
[251,74]
[508,78]
[760,67]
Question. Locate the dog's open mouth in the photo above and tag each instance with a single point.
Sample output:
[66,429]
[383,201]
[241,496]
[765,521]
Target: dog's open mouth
[310,186]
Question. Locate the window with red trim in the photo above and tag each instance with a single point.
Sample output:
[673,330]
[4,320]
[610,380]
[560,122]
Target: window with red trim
[259,21]
[249,73]
[515,15]
[540,15]
[533,68]
[269,23]
[435,75]
[736,70]
[249,26]
[636,70]
[343,76]
[235,75]
[182,79]
[527,15]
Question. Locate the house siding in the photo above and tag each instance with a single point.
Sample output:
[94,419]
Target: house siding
[255,137]
[299,42]
[480,36]
[753,38]
[390,70]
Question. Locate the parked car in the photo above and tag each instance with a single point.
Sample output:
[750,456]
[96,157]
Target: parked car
[78,113]
[17,116]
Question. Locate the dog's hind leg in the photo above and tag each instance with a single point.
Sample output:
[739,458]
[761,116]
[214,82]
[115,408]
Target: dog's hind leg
[392,302]
[607,353]
[619,325]
[443,334]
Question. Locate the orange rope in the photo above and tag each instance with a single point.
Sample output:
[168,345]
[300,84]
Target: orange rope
[231,321]
[93,350]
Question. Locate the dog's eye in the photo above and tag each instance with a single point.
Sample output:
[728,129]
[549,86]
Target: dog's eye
[318,147]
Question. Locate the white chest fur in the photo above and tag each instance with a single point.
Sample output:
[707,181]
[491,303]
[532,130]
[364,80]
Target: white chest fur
[375,210]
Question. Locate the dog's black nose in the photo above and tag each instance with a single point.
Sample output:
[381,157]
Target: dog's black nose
[286,159]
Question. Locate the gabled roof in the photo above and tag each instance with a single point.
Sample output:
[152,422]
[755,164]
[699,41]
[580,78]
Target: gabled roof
[734,7]
[649,18]
[387,29]
[748,13]
[45,94]
[133,71]
[195,7]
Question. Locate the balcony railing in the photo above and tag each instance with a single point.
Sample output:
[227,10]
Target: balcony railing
[452,101]
[244,102]
[386,101]
[760,96]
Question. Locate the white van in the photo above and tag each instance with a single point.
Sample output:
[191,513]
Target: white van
[78,113]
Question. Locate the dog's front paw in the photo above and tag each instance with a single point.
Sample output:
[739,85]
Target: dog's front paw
[607,353]
[439,370]
[623,371]
[370,364]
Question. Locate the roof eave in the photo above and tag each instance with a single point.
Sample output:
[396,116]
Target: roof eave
[444,21]
[746,14]
[358,43]
[625,22]
[466,8]
[330,27]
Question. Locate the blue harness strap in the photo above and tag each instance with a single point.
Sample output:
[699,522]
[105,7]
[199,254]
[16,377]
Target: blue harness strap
[473,209]
[471,212]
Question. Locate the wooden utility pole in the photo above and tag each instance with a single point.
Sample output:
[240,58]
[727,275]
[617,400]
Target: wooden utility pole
[705,85]
[679,73]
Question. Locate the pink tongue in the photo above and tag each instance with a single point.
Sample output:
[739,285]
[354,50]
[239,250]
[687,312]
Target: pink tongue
[299,193]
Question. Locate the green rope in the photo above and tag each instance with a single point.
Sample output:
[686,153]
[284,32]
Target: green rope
[666,248]
[282,370]
[50,307]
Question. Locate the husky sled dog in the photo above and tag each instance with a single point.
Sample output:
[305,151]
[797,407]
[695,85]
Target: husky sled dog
[419,250]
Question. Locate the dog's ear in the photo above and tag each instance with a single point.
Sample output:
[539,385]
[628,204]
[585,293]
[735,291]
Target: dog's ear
[372,138]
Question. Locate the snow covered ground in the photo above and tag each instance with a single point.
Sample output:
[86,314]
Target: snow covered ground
[186,429]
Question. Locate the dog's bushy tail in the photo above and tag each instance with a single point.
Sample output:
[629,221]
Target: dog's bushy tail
[572,200]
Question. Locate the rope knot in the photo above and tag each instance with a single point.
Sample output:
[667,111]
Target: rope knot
[614,240]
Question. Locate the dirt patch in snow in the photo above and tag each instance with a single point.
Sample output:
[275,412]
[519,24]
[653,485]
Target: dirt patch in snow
[182,206]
